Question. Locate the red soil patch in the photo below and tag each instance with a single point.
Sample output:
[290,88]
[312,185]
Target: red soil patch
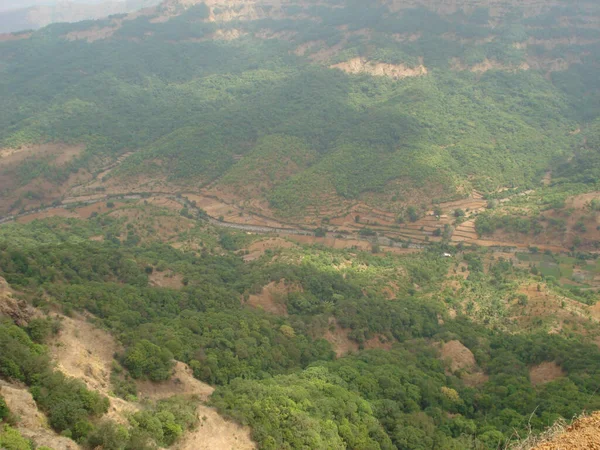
[182,382]
[338,338]
[272,298]
[38,191]
[545,373]
[85,212]
[166,280]
[54,212]
[458,356]
[258,248]
[474,379]
[60,153]
[378,342]
[583,434]
[560,313]
[342,344]
[217,207]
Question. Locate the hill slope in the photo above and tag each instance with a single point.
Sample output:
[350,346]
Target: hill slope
[399,104]
[16,17]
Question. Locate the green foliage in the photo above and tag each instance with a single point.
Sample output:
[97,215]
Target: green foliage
[68,404]
[40,329]
[296,411]
[165,421]
[487,224]
[4,411]
[148,361]
[195,108]
[11,439]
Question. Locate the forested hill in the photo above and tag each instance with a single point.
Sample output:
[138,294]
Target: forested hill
[300,225]
[386,103]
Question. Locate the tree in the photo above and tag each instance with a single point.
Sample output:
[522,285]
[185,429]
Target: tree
[413,214]
[147,360]
[4,411]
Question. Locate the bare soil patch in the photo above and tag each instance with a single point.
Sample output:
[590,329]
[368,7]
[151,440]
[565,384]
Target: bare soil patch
[85,352]
[459,356]
[475,379]
[32,423]
[181,383]
[545,373]
[338,338]
[583,434]
[379,69]
[258,248]
[54,212]
[216,433]
[166,280]
[34,193]
[19,311]
[61,153]
[272,298]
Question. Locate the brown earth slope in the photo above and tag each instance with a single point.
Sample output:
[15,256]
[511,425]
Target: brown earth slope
[583,434]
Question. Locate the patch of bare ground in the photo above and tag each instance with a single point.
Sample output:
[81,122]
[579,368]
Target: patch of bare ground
[61,153]
[5,37]
[38,191]
[457,356]
[578,225]
[380,69]
[182,382]
[582,434]
[213,431]
[258,248]
[85,212]
[151,224]
[31,422]
[459,359]
[227,207]
[559,313]
[216,433]
[85,352]
[338,338]
[378,342]
[545,372]
[343,345]
[17,310]
[54,212]
[166,280]
[474,379]
[272,298]
[302,49]
[324,53]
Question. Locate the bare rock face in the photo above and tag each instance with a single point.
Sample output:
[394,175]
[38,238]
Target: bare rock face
[379,69]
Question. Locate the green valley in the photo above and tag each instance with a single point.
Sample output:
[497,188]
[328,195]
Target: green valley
[300,224]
